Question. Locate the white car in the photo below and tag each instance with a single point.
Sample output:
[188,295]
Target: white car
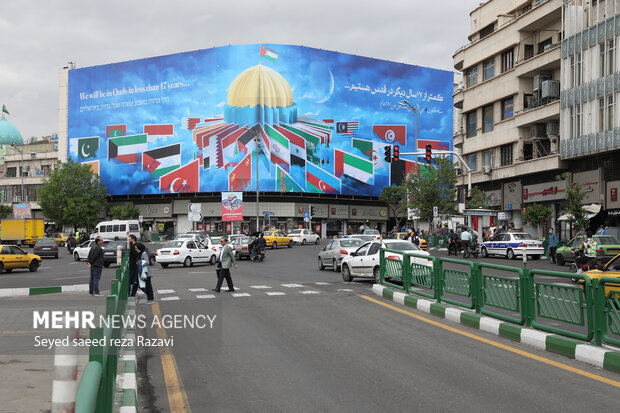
[81,252]
[303,236]
[186,252]
[365,261]
[373,232]
[512,244]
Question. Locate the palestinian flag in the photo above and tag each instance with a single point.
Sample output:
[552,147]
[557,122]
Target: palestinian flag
[160,161]
[353,166]
[284,182]
[115,130]
[127,149]
[268,54]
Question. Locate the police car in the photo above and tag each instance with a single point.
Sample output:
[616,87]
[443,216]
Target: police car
[512,244]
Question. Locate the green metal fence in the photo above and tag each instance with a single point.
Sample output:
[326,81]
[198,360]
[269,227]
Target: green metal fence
[517,295]
[99,398]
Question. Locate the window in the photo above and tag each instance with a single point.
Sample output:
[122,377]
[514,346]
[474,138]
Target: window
[487,30]
[506,154]
[507,108]
[487,119]
[123,228]
[472,76]
[191,245]
[528,151]
[115,228]
[577,80]
[472,124]
[578,120]
[488,69]
[528,51]
[487,158]
[601,114]
[601,60]
[374,249]
[109,228]
[611,61]
[472,161]
[571,123]
[610,112]
[134,227]
[11,172]
[507,60]
[544,45]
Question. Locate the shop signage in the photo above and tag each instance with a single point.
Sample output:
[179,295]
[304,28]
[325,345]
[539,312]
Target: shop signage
[154,210]
[613,194]
[504,216]
[590,184]
[368,213]
[339,211]
[549,191]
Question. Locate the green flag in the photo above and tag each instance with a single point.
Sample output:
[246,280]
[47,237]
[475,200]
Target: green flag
[5,110]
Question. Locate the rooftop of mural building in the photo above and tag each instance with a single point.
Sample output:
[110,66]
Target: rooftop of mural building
[290,118]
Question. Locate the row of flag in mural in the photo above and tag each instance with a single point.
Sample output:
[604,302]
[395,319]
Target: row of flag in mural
[236,149]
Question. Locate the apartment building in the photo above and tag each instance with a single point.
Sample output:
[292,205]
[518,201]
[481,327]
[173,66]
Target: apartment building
[508,129]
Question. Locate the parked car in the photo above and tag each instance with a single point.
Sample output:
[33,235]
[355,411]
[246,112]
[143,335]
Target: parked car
[304,236]
[373,232]
[364,238]
[61,239]
[12,256]
[46,247]
[511,245]
[364,262]
[242,246]
[186,252]
[335,250]
[276,238]
[606,246]
[110,248]
[81,252]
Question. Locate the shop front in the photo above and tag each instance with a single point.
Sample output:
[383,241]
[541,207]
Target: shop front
[361,217]
[553,195]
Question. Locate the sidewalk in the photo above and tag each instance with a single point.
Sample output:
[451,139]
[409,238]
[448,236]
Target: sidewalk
[28,372]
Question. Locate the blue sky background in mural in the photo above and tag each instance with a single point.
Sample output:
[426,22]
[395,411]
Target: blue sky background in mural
[327,88]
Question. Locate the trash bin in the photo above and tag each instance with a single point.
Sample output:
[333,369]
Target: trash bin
[155,236]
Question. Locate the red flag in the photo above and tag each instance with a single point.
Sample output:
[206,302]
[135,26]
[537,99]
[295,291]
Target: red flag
[240,178]
[396,134]
[115,130]
[435,145]
[161,130]
[149,163]
[184,179]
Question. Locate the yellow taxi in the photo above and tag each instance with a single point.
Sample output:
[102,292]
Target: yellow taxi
[277,238]
[611,269]
[61,239]
[11,256]
[405,235]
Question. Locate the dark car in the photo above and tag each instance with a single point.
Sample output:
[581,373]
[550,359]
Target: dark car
[241,244]
[110,248]
[46,247]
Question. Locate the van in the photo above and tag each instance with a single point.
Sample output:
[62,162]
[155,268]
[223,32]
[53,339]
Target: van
[117,230]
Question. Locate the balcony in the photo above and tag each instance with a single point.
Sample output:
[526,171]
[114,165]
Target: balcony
[548,61]
[540,114]
[458,97]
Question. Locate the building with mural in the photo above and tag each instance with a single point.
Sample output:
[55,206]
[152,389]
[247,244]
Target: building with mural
[302,127]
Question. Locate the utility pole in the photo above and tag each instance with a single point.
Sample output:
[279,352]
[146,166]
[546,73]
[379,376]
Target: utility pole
[257,141]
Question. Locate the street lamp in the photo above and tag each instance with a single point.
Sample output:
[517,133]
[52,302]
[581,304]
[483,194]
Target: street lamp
[406,104]
[21,169]
[257,141]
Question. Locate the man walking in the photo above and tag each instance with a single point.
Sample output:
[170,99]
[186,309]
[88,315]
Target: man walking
[553,244]
[134,256]
[227,258]
[95,263]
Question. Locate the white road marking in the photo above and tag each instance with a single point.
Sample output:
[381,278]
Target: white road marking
[169,298]
[196,290]
[322,283]
[44,268]
[310,292]
[292,285]
[165,291]
[275,293]
[205,296]
[196,272]
[74,262]
[344,289]
[240,295]
[260,287]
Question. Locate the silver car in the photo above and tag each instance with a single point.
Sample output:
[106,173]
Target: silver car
[335,250]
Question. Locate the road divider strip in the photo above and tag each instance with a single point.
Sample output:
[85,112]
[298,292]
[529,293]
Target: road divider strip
[25,292]
[575,349]
[126,381]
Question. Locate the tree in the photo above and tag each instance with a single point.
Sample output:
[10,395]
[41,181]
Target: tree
[478,199]
[73,195]
[127,211]
[537,213]
[395,197]
[578,217]
[5,211]
[433,186]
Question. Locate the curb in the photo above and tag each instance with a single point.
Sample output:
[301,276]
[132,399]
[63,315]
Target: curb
[127,388]
[575,349]
[24,292]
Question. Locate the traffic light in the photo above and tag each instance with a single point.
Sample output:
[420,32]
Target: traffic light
[388,153]
[429,154]
[395,155]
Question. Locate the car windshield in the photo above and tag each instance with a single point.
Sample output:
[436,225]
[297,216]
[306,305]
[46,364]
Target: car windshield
[174,244]
[215,240]
[606,240]
[363,237]
[114,244]
[182,236]
[371,232]
[520,237]
[401,246]
[45,241]
[350,243]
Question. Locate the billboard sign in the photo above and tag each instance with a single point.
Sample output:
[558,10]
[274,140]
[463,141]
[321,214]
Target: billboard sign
[294,118]
[232,206]
[22,211]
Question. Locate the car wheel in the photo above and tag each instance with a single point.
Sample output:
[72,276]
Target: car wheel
[106,264]
[164,264]
[317,241]
[290,244]
[213,260]
[510,254]
[76,256]
[187,262]
[346,273]
[335,264]
[303,241]
[377,274]
[274,245]
[56,256]
[34,264]
[237,257]
[321,266]
[560,259]
[484,253]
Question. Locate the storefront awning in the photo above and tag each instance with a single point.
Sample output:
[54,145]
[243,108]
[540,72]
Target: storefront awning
[592,210]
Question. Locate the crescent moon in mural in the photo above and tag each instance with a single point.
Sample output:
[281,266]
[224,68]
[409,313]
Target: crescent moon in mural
[172,185]
[84,154]
[331,90]
[322,186]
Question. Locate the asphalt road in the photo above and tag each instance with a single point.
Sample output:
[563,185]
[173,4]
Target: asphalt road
[293,338]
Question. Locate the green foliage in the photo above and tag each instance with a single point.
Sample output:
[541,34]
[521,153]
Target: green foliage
[127,211]
[537,213]
[574,194]
[395,197]
[478,199]
[5,211]
[73,195]
[433,186]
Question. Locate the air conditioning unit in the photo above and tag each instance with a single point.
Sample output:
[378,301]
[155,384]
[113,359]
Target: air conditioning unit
[486,169]
[538,130]
[539,79]
[551,89]
[553,128]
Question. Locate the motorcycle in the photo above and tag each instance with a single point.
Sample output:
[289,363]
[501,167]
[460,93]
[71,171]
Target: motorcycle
[454,247]
[260,255]
[591,264]
[474,249]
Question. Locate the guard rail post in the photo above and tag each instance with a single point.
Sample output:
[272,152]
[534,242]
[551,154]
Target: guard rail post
[438,279]
[407,272]
[86,395]
[382,268]
[600,313]
[527,296]
[476,288]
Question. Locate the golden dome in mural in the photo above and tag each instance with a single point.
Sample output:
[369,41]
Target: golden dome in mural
[260,85]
